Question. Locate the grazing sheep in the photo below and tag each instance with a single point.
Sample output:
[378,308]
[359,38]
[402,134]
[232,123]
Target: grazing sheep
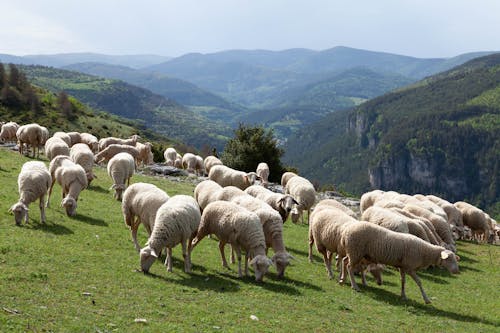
[8,132]
[113,149]
[476,220]
[189,162]
[403,251]
[140,203]
[263,173]
[200,166]
[72,179]
[335,204]
[91,141]
[32,135]
[239,227]
[75,138]
[282,203]
[145,154]
[105,142]
[33,183]
[81,154]
[226,176]
[63,136]
[285,177]
[427,226]
[206,192]
[176,221]
[121,168]
[368,199]
[170,155]
[304,193]
[453,213]
[210,161]
[56,146]
[178,161]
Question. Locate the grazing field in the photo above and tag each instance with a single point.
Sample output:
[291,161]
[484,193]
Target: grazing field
[81,274]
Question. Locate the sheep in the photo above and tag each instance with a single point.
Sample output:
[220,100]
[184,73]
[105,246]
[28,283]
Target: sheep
[239,227]
[139,205]
[200,166]
[210,161]
[427,226]
[263,172]
[170,155]
[403,251]
[334,203]
[282,203]
[285,177]
[476,220]
[113,149]
[226,176]
[91,141]
[189,162]
[145,154]
[56,146]
[8,132]
[32,135]
[206,192]
[73,180]
[105,142]
[453,213]
[75,138]
[178,161]
[304,193]
[33,183]
[121,168]
[63,136]
[176,221]
[81,154]
[368,199]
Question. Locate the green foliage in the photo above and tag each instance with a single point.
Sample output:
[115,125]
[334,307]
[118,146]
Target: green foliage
[249,147]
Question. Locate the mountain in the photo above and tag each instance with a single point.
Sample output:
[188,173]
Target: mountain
[156,112]
[65,59]
[439,136]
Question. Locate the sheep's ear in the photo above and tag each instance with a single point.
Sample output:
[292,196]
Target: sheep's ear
[444,255]
[295,202]
[290,256]
[252,261]
[153,253]
[10,209]
[270,262]
[280,200]
[458,258]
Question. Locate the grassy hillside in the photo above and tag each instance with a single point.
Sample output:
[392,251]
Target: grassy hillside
[80,274]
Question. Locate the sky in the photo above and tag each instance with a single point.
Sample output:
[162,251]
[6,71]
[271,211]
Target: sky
[419,28]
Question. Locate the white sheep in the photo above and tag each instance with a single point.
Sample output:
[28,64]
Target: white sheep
[210,161]
[91,141]
[72,179]
[107,153]
[105,142]
[403,251]
[176,221]
[63,136]
[178,161]
[304,193]
[145,153]
[32,135]
[477,220]
[335,204]
[8,132]
[75,137]
[226,176]
[282,203]
[140,203]
[170,155]
[368,199]
[81,154]
[206,192]
[239,227]
[189,162]
[453,213]
[55,146]
[121,168]
[285,177]
[263,173]
[33,183]
[200,166]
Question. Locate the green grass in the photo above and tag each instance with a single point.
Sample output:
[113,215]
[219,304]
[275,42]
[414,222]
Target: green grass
[80,275]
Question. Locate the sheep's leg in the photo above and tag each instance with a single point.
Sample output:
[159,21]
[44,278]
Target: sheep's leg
[168,260]
[342,274]
[414,275]
[134,236]
[185,255]
[238,256]
[311,242]
[363,275]
[231,260]
[223,256]
[328,263]
[50,192]
[403,282]
[42,208]
[354,285]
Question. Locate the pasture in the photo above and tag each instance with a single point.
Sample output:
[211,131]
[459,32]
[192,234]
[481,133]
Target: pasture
[81,274]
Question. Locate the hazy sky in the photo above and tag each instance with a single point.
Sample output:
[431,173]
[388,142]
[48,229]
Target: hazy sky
[421,28]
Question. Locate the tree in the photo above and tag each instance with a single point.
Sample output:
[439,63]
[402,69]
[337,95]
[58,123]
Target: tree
[3,77]
[10,97]
[250,146]
[65,105]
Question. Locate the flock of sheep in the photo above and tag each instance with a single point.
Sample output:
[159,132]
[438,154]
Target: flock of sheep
[406,232]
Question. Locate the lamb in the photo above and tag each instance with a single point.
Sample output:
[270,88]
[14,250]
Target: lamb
[33,183]
[176,221]
[403,251]
[105,142]
[75,138]
[121,168]
[63,136]
[476,220]
[140,203]
[304,193]
[210,161]
[145,154]
[239,227]
[90,140]
[189,162]
[226,176]
[32,135]
[206,192]
[200,166]
[113,149]
[72,179]
[285,177]
[282,203]
[81,154]
[54,147]
[8,132]
[170,155]
[263,173]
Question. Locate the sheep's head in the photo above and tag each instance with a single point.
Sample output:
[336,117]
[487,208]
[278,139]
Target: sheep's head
[295,214]
[286,203]
[69,204]
[119,188]
[281,260]
[20,211]
[250,178]
[147,256]
[376,270]
[260,265]
[449,260]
